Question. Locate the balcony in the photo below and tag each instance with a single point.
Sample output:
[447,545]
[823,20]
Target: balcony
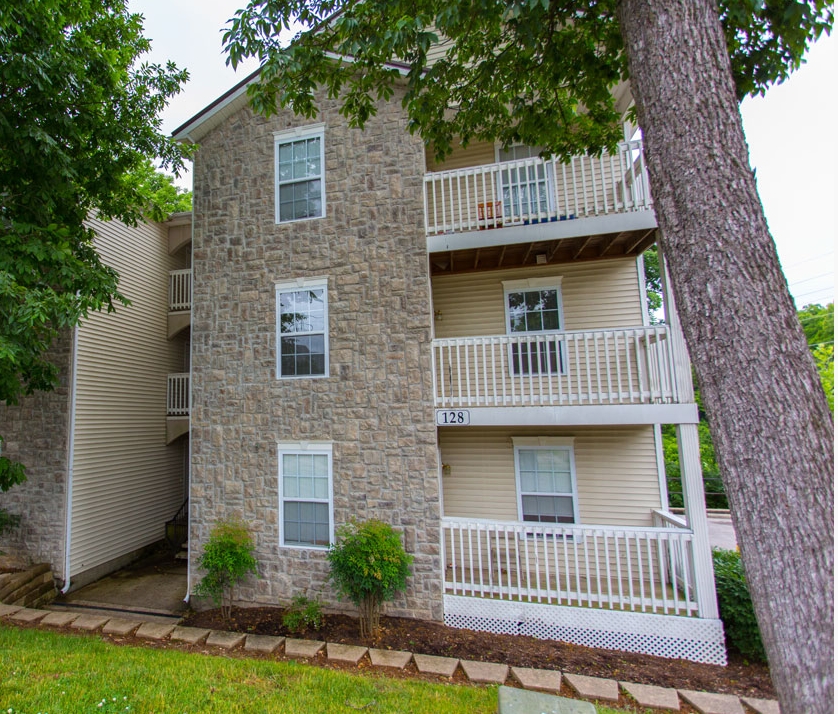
[178,403]
[579,372]
[602,201]
[588,584]
[180,301]
[596,566]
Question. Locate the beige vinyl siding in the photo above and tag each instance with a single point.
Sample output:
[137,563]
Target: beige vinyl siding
[479,153]
[599,294]
[616,472]
[437,51]
[126,481]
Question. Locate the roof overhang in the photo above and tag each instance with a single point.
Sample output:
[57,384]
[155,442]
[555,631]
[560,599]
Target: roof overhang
[216,112]
[235,99]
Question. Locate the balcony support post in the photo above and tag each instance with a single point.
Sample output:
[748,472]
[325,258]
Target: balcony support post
[692,484]
[683,371]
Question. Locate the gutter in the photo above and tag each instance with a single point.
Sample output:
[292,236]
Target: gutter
[71,446]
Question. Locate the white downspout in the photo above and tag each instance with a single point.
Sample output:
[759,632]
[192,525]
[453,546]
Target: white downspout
[189,434]
[71,446]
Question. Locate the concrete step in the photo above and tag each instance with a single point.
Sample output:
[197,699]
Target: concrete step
[109,610]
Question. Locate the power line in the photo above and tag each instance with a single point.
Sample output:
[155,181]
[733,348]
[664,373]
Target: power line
[828,289]
[809,318]
[809,260]
[814,277]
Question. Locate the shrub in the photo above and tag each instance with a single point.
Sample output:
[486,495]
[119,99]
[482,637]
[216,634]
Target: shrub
[302,614]
[12,473]
[8,521]
[228,558]
[735,607]
[369,566]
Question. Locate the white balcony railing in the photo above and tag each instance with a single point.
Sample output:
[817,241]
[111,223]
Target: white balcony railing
[638,365]
[535,190]
[177,395]
[682,564]
[180,290]
[593,566]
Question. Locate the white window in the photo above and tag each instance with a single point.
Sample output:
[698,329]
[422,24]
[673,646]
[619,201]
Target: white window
[300,163]
[546,479]
[534,308]
[526,183]
[302,320]
[305,494]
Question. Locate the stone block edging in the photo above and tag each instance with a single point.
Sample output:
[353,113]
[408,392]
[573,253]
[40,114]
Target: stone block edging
[481,672]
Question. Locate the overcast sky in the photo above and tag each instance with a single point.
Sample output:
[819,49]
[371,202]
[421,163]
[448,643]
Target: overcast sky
[791,132]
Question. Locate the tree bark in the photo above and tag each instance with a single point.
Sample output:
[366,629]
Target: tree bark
[768,415]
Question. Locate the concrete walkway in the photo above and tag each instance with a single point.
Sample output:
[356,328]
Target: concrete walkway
[152,589]
[576,686]
[721,533]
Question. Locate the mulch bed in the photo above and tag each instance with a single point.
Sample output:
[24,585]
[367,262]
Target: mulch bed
[738,677]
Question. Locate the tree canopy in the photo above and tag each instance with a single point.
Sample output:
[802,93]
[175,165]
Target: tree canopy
[818,323]
[79,129]
[538,72]
[160,194]
[79,122]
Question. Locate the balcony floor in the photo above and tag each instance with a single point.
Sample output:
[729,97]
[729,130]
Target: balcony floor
[525,246]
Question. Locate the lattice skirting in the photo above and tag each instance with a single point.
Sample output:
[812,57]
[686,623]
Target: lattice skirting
[691,638]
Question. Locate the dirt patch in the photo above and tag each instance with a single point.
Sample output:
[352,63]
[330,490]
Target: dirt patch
[739,677]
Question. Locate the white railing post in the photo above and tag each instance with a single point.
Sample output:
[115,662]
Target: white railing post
[696,515]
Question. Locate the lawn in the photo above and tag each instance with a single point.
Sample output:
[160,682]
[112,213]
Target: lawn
[49,673]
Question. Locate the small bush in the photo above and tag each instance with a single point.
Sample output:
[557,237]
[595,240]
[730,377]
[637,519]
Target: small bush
[8,521]
[228,558]
[735,607]
[303,614]
[369,566]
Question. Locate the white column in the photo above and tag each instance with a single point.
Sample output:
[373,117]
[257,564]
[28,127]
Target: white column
[683,371]
[696,515]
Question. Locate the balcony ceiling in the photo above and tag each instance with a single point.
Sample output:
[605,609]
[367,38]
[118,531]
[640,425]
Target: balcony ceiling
[563,250]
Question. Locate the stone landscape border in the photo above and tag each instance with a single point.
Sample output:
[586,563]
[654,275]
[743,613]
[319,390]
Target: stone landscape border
[604,691]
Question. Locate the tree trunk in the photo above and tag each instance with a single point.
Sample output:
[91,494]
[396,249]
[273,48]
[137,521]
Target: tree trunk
[768,415]
[370,616]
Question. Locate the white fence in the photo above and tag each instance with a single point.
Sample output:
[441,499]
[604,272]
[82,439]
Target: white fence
[536,190]
[177,395]
[635,365]
[180,290]
[608,567]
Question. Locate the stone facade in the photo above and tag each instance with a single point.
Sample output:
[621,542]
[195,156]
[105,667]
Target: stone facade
[375,406]
[36,432]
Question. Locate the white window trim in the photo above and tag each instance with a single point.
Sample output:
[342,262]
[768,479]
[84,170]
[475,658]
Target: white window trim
[552,281]
[286,286]
[298,134]
[529,284]
[304,447]
[545,443]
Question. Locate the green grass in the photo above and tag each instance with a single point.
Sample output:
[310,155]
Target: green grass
[48,673]
[64,674]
